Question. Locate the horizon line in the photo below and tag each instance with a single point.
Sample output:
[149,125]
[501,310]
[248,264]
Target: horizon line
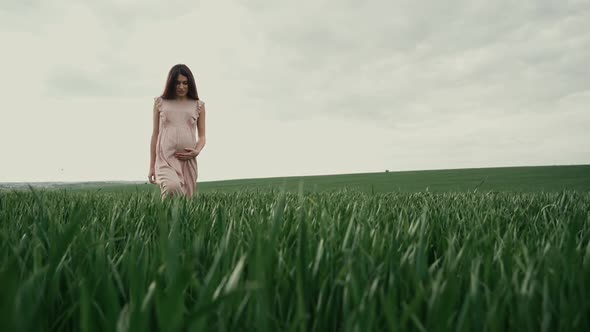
[299,176]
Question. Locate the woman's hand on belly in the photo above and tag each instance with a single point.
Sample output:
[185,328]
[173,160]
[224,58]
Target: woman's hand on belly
[189,154]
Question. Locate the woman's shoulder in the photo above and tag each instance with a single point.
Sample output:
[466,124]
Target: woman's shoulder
[200,105]
[158,100]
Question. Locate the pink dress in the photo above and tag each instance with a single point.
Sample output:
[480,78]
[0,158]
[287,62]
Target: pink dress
[178,123]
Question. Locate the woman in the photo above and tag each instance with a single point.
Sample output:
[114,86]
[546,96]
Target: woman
[174,146]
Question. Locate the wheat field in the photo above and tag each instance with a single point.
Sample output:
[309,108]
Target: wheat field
[280,261]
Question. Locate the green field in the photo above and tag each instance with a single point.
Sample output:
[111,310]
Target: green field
[480,250]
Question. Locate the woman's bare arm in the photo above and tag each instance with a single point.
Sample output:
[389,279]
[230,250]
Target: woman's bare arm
[201,130]
[155,132]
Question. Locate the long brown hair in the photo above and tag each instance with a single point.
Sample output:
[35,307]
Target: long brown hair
[170,88]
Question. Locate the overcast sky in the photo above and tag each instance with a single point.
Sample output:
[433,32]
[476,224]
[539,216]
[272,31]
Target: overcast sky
[295,87]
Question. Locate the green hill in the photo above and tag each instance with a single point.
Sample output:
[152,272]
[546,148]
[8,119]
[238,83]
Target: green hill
[518,179]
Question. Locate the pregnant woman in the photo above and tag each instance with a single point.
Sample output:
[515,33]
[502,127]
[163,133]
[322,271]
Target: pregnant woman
[177,113]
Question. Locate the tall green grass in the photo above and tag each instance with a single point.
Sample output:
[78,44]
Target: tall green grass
[272,261]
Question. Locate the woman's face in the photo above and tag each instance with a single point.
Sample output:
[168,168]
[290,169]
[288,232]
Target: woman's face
[181,85]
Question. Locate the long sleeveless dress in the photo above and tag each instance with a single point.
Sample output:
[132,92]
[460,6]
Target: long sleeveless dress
[178,122]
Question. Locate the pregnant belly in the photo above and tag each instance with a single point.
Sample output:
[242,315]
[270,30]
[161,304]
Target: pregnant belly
[177,141]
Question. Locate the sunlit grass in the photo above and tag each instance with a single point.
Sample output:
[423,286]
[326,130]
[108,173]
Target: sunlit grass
[271,261]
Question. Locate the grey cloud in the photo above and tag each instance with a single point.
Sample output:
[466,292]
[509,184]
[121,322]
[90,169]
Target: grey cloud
[115,80]
[70,82]
[120,16]
[18,7]
[115,14]
[394,58]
